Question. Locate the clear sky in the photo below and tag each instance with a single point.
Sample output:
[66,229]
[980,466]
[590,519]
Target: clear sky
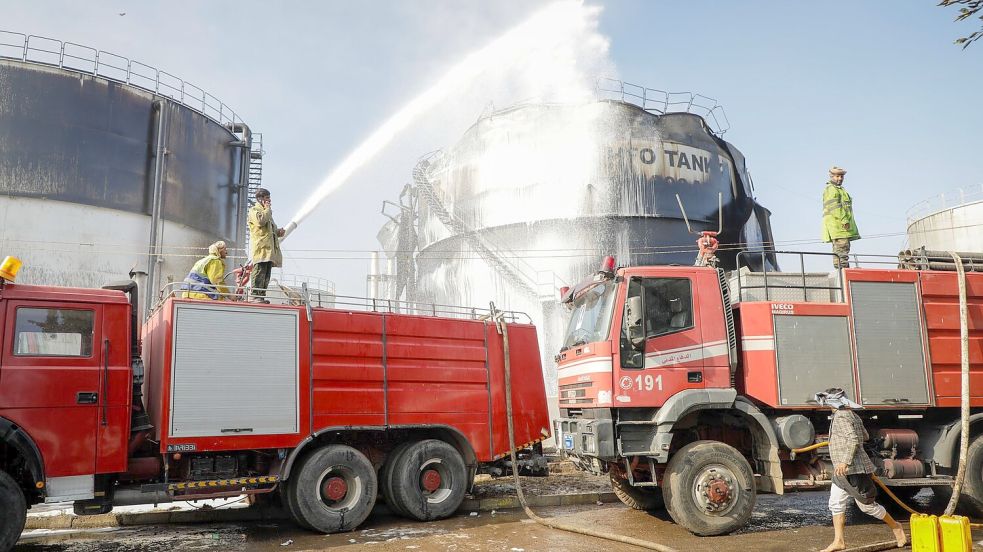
[876,87]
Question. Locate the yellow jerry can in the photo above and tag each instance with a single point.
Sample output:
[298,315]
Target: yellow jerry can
[925,533]
[955,534]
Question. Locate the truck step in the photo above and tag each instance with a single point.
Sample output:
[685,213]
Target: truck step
[941,481]
[215,483]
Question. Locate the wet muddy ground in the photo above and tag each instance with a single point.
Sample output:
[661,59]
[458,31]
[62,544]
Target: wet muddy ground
[798,522]
[570,482]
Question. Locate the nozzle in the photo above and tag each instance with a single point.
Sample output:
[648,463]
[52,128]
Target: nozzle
[288,229]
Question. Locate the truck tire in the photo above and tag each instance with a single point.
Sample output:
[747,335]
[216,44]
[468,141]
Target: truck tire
[288,499]
[971,497]
[638,498]
[709,488]
[13,506]
[429,479]
[386,478]
[334,489]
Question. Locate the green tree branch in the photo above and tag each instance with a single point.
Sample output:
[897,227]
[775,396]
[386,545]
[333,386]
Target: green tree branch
[967,9]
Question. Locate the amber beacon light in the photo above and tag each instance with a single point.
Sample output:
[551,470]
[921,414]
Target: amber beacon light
[9,268]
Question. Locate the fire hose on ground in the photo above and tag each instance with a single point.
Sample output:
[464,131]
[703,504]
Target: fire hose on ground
[499,320]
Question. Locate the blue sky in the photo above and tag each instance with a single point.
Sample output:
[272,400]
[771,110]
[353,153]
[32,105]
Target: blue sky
[875,87]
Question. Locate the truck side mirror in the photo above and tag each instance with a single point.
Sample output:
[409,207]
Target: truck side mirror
[634,322]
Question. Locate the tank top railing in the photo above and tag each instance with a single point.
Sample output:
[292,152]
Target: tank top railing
[98,63]
[661,102]
[947,200]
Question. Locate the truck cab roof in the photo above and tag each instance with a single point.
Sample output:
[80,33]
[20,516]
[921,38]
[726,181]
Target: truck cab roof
[54,293]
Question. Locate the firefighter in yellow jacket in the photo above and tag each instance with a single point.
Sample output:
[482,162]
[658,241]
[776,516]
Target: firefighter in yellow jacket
[205,281]
[264,245]
[839,226]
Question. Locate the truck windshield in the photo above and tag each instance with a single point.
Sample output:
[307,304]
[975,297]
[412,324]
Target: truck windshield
[591,318]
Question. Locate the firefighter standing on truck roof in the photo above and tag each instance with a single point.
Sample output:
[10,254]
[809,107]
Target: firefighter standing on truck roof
[839,226]
[264,245]
[852,469]
[204,281]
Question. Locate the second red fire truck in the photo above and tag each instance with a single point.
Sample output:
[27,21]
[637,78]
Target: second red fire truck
[692,388]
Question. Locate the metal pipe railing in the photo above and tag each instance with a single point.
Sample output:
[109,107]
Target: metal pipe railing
[98,63]
[804,286]
[661,102]
[946,200]
[284,295]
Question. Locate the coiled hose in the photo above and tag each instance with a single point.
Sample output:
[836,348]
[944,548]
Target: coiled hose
[502,327]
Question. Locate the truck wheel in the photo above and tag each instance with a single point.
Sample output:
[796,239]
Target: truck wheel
[334,489]
[638,498]
[971,497]
[386,478]
[709,488]
[14,509]
[288,499]
[429,480]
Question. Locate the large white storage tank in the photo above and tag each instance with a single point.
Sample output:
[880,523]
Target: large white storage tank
[109,166]
[951,221]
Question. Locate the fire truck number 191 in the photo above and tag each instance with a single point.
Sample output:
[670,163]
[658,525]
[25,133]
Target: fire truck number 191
[647,383]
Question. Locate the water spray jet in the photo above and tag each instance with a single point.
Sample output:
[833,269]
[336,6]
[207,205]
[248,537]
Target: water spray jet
[543,31]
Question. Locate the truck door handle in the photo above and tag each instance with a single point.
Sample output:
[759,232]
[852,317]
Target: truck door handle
[86,398]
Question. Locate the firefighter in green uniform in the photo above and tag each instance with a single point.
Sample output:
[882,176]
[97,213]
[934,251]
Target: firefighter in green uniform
[839,226]
[264,244]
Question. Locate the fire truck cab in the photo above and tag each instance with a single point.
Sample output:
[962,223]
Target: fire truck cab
[692,387]
[65,374]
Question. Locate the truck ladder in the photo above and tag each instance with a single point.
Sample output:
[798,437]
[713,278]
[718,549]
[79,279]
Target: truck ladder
[255,167]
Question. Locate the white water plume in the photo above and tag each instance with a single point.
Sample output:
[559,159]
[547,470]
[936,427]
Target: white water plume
[543,54]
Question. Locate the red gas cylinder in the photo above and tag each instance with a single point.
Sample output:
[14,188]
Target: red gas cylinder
[903,439]
[904,469]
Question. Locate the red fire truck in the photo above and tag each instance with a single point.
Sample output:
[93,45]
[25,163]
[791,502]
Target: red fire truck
[691,387]
[328,405]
